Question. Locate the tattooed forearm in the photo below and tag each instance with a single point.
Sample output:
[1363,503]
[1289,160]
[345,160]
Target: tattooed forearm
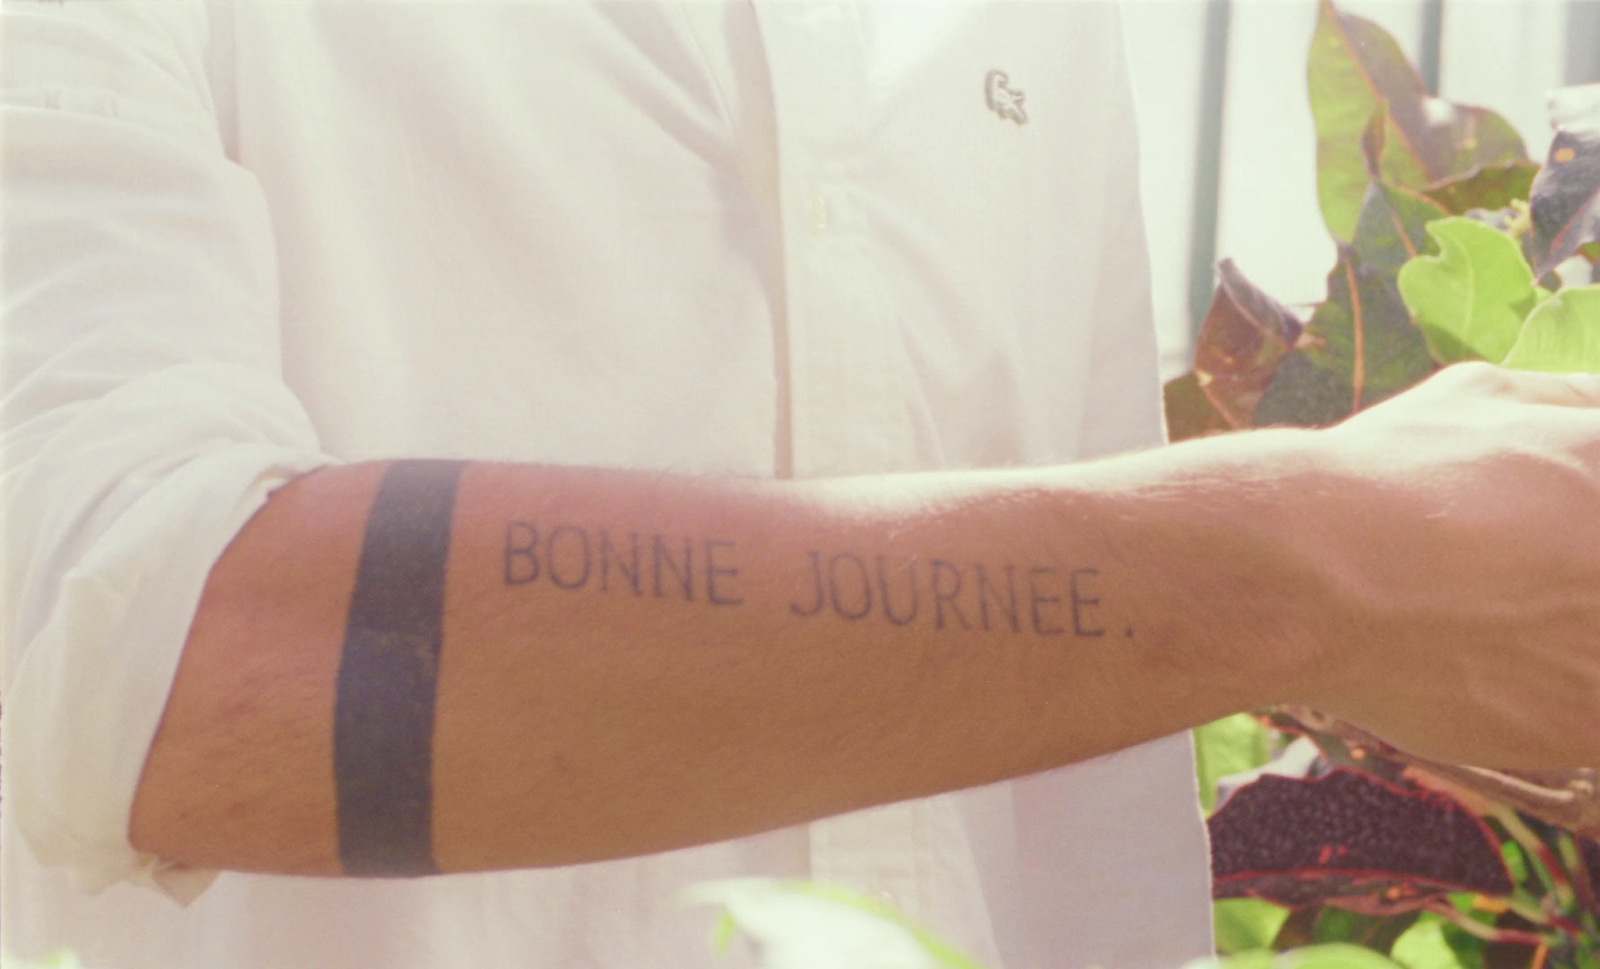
[387,681]
[388,674]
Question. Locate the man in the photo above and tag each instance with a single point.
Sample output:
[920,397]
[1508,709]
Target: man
[480,438]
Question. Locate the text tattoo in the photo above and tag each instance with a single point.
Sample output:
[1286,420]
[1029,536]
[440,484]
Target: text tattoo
[939,593]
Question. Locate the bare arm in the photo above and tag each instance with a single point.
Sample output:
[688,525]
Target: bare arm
[631,662]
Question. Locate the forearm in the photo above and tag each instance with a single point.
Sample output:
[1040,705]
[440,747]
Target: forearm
[631,662]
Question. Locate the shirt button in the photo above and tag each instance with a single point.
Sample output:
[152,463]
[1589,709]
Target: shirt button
[817,207]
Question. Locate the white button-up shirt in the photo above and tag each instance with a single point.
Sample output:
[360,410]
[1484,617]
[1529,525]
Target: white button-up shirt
[784,239]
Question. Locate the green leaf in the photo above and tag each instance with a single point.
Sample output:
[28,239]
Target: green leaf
[945,955]
[1471,299]
[1354,71]
[1299,929]
[1390,156]
[1246,924]
[1364,331]
[1477,137]
[723,934]
[1259,959]
[1392,227]
[1452,141]
[1467,947]
[1376,932]
[1423,946]
[1488,187]
[60,959]
[1189,411]
[802,924]
[1563,199]
[1231,745]
[1516,861]
[1359,348]
[1244,336]
[1337,955]
[1562,335]
[1328,956]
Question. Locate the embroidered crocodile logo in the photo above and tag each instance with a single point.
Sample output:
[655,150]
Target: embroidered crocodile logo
[1002,100]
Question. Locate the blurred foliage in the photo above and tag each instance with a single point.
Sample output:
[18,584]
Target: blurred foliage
[1452,246]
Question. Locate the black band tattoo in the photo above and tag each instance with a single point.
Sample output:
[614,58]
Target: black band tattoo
[388,675]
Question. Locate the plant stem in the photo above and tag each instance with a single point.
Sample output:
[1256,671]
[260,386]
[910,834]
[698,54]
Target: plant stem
[1538,851]
[1488,933]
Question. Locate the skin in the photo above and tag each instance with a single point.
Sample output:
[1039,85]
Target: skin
[1430,570]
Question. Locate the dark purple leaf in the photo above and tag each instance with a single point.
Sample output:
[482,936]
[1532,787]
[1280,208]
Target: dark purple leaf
[1518,955]
[1304,394]
[1244,336]
[1502,219]
[1589,850]
[1352,840]
[1563,198]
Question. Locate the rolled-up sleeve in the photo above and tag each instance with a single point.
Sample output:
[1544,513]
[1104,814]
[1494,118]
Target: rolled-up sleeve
[144,413]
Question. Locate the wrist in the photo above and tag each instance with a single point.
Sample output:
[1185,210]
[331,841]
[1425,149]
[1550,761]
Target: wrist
[1236,536]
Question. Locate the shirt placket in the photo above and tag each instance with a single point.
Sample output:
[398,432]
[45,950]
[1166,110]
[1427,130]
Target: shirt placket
[846,415]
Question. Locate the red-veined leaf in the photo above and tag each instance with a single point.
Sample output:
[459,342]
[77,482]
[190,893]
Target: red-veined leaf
[1244,335]
[1489,187]
[1353,840]
[1189,412]
[1356,70]
[1359,348]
